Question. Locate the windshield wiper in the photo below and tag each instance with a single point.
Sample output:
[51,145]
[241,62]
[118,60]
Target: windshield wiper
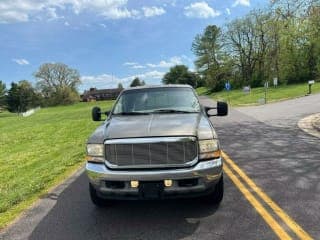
[172,111]
[132,113]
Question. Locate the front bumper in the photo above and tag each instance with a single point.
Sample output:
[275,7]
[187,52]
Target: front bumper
[204,176]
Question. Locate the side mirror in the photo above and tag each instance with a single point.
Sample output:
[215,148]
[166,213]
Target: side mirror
[222,109]
[96,114]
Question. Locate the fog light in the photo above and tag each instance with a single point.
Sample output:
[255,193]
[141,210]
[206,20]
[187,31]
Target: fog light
[168,183]
[134,184]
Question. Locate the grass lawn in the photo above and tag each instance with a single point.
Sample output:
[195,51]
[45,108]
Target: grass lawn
[239,98]
[39,151]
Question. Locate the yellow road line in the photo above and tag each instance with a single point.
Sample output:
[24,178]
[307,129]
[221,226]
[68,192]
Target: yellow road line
[287,219]
[257,205]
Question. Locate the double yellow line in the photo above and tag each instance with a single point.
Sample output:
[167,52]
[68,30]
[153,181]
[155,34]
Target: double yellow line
[230,168]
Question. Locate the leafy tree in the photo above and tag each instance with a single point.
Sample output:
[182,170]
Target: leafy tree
[212,63]
[2,94]
[137,82]
[180,74]
[206,47]
[58,83]
[22,97]
[13,98]
[282,41]
[120,85]
[63,96]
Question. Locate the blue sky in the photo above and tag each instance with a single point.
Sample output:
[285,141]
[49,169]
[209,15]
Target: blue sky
[108,41]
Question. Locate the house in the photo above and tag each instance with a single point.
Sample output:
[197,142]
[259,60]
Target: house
[100,94]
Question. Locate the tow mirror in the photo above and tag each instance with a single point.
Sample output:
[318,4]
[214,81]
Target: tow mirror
[222,110]
[96,114]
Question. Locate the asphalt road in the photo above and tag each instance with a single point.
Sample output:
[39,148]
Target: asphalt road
[263,141]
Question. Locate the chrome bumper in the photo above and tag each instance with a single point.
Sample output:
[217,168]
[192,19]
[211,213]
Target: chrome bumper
[208,174]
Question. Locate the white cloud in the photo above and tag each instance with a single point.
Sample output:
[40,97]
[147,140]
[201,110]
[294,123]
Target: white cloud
[176,60]
[52,14]
[150,77]
[21,61]
[166,63]
[110,81]
[133,65]
[22,11]
[153,11]
[241,2]
[103,25]
[67,24]
[99,81]
[138,67]
[200,10]
[130,63]
[228,11]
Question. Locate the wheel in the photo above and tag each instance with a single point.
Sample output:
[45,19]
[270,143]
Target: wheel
[96,200]
[217,195]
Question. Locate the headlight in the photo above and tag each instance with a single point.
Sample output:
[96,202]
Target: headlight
[209,149]
[95,150]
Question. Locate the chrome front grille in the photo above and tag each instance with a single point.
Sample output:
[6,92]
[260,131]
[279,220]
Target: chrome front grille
[151,152]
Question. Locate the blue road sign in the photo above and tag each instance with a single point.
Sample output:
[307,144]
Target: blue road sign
[227,86]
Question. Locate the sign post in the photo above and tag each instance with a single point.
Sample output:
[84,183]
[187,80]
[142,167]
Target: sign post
[310,83]
[275,82]
[266,86]
[228,88]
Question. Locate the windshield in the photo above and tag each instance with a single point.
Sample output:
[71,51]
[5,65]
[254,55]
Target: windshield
[157,100]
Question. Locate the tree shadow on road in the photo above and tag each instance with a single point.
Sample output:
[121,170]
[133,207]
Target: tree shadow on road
[283,160]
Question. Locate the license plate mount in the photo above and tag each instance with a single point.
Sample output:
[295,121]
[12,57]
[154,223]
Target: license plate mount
[151,190]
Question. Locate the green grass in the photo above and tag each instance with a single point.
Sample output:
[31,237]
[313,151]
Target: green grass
[38,151]
[239,98]
[202,91]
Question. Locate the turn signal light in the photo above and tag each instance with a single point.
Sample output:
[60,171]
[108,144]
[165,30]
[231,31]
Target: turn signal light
[210,155]
[217,154]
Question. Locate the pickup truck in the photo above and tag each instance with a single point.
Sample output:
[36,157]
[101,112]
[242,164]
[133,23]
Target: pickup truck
[157,142]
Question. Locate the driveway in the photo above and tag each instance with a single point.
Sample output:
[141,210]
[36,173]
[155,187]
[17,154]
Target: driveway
[263,141]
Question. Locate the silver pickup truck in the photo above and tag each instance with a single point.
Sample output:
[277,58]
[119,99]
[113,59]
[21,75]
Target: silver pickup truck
[157,142]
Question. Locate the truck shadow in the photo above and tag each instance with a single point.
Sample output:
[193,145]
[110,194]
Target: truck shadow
[75,217]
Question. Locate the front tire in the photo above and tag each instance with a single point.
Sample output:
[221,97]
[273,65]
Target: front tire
[217,195]
[95,199]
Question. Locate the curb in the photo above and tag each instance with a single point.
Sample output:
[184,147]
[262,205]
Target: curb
[311,125]
[316,122]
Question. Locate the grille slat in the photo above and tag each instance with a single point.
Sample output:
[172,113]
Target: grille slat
[147,154]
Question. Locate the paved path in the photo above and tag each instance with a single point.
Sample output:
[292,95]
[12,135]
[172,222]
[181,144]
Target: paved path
[266,144]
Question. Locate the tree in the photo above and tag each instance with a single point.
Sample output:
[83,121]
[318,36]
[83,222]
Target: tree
[212,62]
[13,98]
[206,47]
[137,82]
[120,86]
[58,83]
[180,74]
[22,97]
[2,94]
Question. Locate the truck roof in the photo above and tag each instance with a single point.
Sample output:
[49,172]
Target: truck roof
[159,86]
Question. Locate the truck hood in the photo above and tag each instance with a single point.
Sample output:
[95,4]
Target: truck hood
[154,125]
